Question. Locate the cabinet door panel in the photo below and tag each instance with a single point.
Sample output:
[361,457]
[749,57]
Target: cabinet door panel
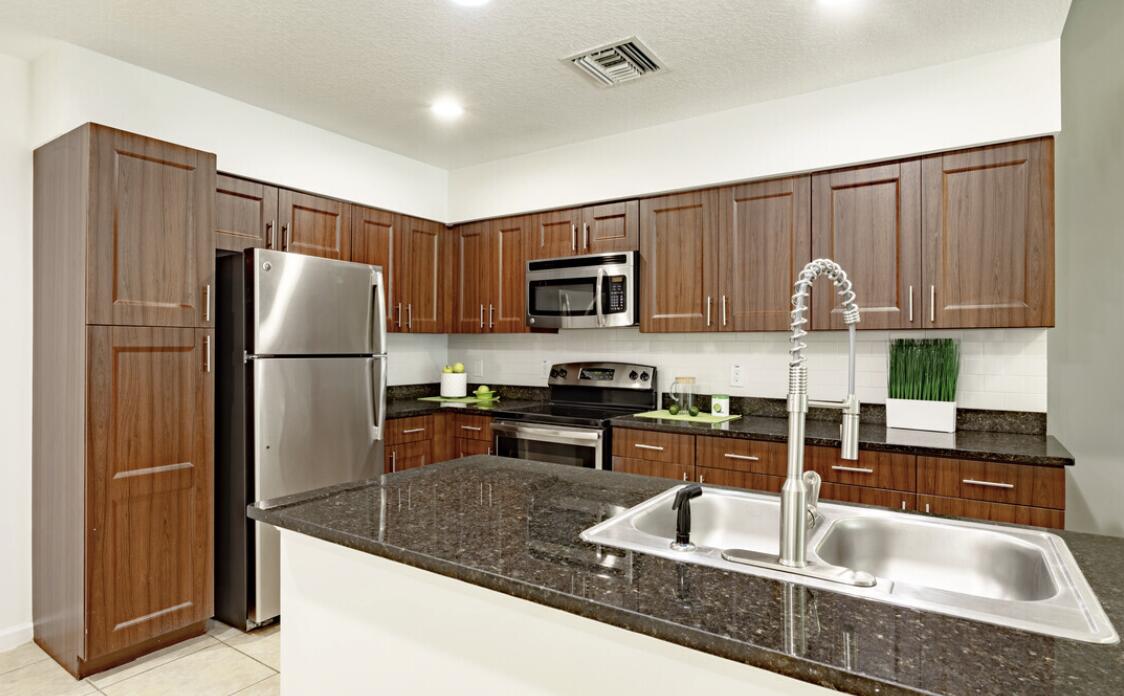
[864,495]
[466,447]
[420,284]
[408,455]
[150,247]
[509,296]
[374,240]
[150,517]
[764,243]
[556,233]
[245,214]
[473,277]
[989,236]
[610,227]
[315,226]
[739,479]
[869,221]
[678,262]
[992,512]
[645,467]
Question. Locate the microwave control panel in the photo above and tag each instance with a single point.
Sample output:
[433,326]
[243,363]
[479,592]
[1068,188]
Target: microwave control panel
[617,301]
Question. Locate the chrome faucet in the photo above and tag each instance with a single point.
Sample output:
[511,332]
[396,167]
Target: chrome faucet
[795,507]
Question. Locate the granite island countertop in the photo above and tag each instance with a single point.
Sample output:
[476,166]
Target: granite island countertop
[1011,448]
[512,526]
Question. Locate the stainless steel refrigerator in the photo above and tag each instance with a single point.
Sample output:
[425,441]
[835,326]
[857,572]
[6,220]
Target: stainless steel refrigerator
[300,403]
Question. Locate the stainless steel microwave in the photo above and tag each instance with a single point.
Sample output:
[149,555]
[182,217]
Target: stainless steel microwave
[583,292]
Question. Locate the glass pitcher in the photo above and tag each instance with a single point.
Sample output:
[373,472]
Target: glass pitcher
[682,393]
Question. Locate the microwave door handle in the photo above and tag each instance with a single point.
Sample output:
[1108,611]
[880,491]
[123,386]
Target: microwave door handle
[597,292]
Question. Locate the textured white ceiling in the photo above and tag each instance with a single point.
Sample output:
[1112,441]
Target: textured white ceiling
[369,68]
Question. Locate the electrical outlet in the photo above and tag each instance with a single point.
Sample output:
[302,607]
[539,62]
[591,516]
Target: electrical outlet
[737,375]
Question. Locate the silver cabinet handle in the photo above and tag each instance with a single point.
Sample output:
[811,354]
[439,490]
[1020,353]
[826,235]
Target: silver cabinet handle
[207,302]
[393,461]
[989,484]
[481,316]
[410,315]
[708,310]
[399,315]
[684,475]
[285,237]
[746,457]
[903,505]
[926,507]
[853,469]
[723,310]
[640,445]
[910,303]
[491,316]
[207,354]
[573,237]
[271,234]
[473,428]
[932,303]
[702,479]
[410,431]
[585,236]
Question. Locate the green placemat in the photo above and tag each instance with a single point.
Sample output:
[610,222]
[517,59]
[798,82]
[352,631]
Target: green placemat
[459,399]
[701,418]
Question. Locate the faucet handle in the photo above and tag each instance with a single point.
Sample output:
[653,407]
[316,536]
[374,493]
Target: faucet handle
[812,483]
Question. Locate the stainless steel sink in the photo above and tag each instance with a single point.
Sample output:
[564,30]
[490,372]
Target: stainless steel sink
[1019,577]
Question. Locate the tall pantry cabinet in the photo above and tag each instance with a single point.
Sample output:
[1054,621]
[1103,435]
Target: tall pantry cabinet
[123,396]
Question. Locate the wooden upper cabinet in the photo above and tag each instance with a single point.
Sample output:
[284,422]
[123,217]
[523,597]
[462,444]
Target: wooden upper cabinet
[679,262]
[473,276]
[375,240]
[557,233]
[150,244]
[245,214]
[314,225]
[764,243]
[150,399]
[989,236]
[507,313]
[610,227]
[868,220]
[421,285]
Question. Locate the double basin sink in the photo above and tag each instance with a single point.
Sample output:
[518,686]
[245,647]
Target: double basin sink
[1016,577]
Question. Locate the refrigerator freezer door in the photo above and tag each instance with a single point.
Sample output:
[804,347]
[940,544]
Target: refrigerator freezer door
[316,424]
[304,305]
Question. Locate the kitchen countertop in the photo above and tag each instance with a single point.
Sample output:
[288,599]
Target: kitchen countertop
[523,541]
[1012,448]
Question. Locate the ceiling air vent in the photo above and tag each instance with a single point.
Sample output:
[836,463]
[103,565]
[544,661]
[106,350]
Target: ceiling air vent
[617,62]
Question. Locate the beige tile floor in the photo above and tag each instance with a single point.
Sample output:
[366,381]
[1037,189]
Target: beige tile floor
[223,662]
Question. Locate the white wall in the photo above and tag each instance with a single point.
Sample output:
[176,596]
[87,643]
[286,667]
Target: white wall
[415,358]
[71,85]
[15,355]
[999,96]
[1086,375]
[999,370]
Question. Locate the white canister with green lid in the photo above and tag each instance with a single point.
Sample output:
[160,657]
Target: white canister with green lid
[720,404]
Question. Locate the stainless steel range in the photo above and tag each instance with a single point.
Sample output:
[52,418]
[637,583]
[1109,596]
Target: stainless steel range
[573,427]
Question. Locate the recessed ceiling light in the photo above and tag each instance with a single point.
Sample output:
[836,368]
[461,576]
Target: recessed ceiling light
[447,109]
[471,3]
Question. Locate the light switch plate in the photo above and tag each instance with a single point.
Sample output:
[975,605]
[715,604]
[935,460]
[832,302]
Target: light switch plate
[737,375]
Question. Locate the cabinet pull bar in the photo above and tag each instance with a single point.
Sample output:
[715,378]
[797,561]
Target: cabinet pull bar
[746,457]
[640,445]
[585,236]
[708,310]
[271,234]
[989,484]
[207,302]
[932,303]
[903,505]
[207,349]
[399,315]
[853,469]
[723,310]
[491,316]
[481,316]
[410,431]
[393,461]
[684,475]
[702,479]
[473,428]
[410,315]
[911,303]
[573,237]
[926,508]
[285,237]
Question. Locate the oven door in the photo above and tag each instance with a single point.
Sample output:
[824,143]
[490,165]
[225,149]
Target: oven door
[549,443]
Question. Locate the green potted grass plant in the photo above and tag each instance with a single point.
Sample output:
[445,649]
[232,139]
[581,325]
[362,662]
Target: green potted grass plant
[922,389]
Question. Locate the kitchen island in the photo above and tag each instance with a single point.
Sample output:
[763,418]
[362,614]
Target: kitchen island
[470,575]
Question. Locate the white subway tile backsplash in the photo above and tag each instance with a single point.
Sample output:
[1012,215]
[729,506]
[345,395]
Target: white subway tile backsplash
[1000,368]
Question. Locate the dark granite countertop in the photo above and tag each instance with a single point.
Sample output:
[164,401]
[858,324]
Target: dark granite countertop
[1012,448]
[512,526]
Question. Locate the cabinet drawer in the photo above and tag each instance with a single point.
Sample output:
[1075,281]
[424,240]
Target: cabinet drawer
[472,427]
[865,495]
[466,447]
[645,467]
[738,479]
[1013,484]
[408,455]
[874,469]
[415,429]
[992,512]
[654,447]
[751,456]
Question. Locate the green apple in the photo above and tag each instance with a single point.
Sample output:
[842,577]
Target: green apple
[694,410]
[483,389]
[458,368]
[447,369]
[673,409]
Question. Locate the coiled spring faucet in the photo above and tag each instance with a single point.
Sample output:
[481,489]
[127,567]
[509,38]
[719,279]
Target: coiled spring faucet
[795,493]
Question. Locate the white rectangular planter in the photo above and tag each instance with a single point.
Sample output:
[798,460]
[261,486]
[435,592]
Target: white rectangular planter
[914,414]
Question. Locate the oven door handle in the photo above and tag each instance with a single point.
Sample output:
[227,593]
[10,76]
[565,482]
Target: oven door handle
[597,292]
[527,432]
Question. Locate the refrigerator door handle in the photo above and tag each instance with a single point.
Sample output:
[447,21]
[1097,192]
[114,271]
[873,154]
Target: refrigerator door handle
[378,313]
[378,397]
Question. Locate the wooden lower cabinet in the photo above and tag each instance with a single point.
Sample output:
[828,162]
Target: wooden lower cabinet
[864,495]
[408,455]
[466,447]
[668,470]
[652,446]
[738,479]
[880,470]
[472,427]
[993,482]
[992,512]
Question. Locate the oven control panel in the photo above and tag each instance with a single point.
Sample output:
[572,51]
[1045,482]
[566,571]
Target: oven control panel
[603,374]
